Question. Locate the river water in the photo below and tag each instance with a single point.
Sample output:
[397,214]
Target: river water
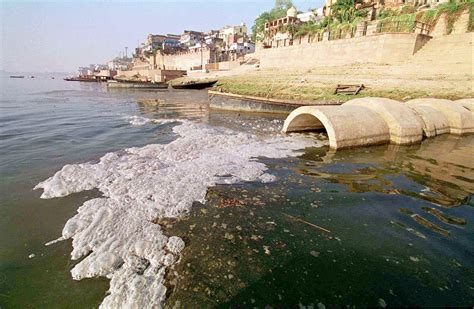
[370,226]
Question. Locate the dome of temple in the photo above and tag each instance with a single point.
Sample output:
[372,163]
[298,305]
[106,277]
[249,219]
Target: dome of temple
[292,12]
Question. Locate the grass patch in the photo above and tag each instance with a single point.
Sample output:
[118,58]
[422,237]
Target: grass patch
[291,87]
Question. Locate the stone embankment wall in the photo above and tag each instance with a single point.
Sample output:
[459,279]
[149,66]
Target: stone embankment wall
[185,61]
[370,121]
[379,48]
[154,75]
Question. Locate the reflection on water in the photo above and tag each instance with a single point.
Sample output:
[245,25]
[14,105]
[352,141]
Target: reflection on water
[442,169]
[363,226]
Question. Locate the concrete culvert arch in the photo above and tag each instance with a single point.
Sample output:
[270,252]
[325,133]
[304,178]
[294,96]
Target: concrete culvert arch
[403,124]
[433,122]
[346,126]
[461,120]
[467,104]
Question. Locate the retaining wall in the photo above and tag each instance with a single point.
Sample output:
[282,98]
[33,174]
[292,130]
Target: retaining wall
[378,48]
[185,61]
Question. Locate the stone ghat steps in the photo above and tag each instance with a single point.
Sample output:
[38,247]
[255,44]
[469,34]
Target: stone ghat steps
[371,121]
[446,49]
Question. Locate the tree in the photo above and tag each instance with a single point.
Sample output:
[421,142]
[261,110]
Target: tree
[283,4]
[343,10]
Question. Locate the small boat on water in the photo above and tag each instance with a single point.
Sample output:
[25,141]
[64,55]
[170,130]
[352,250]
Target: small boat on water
[32,76]
[136,85]
[81,79]
[194,84]
[17,76]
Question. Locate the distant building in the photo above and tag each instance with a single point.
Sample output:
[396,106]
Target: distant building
[276,33]
[119,63]
[191,38]
[167,43]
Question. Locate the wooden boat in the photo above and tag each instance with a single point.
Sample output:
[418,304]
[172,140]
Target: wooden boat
[81,79]
[194,85]
[242,103]
[136,85]
[17,76]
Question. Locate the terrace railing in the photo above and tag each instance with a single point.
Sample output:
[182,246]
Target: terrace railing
[422,28]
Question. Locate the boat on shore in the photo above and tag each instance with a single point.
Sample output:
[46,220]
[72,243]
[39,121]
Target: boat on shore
[136,85]
[81,79]
[243,103]
[17,76]
[197,85]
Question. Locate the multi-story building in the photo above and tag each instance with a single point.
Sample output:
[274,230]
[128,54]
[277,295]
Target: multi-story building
[276,31]
[119,63]
[166,43]
[191,38]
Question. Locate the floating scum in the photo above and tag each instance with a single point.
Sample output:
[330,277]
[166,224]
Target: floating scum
[115,236]
[370,121]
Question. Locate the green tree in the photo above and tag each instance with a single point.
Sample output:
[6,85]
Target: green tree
[344,10]
[283,4]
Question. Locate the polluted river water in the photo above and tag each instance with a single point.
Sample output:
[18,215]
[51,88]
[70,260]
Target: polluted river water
[149,198]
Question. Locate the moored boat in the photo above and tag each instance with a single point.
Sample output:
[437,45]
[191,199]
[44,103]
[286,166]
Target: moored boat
[136,85]
[81,79]
[194,85]
[17,76]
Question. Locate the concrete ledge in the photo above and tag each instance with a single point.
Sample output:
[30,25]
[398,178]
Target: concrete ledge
[403,124]
[433,122]
[460,119]
[346,126]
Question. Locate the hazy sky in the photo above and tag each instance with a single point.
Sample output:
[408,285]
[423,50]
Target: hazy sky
[59,36]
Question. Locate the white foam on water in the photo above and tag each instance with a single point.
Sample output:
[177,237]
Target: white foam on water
[141,121]
[115,235]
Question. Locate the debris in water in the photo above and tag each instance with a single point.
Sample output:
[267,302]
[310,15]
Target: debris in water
[414,259]
[266,249]
[308,223]
[116,236]
[230,203]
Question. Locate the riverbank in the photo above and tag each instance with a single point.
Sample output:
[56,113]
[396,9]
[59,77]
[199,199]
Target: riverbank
[319,84]
[441,69]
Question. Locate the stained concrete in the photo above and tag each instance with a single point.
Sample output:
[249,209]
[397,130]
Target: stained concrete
[369,121]
[338,121]
[403,124]
[433,122]
[461,120]
[467,104]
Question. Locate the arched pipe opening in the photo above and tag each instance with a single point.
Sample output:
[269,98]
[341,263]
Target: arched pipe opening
[349,126]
